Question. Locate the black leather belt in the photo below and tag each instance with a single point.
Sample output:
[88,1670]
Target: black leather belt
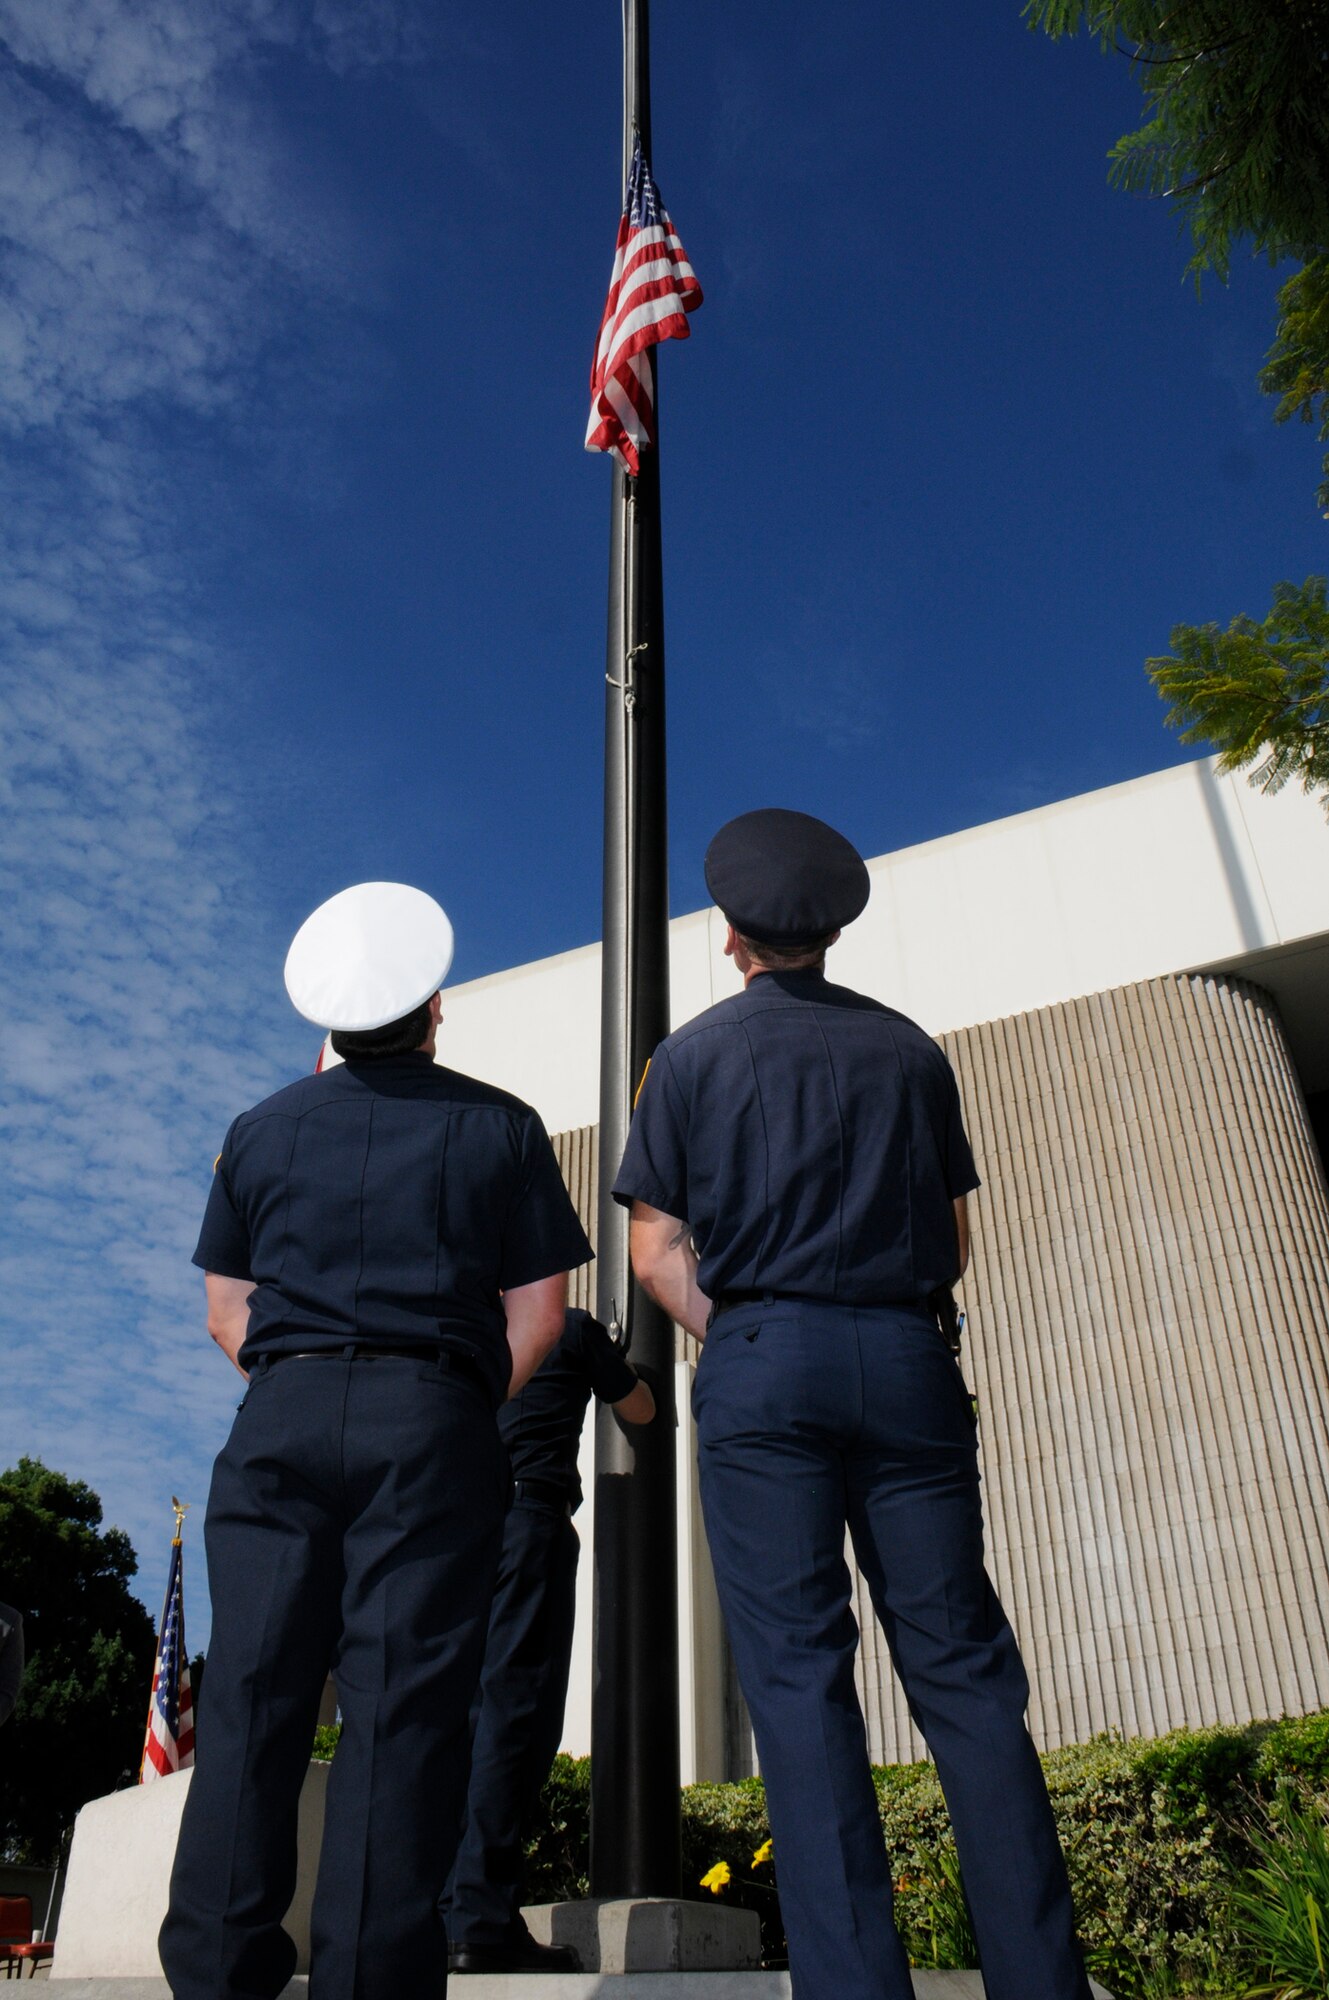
[450,1359]
[354,1350]
[549,1492]
[724,1302]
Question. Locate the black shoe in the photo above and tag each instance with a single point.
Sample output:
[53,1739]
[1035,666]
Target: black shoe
[518,1954]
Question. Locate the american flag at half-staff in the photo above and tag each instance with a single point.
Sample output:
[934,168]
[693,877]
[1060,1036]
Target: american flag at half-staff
[169,1743]
[651,292]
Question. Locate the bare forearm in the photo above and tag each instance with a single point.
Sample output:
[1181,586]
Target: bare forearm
[675,1288]
[231,1339]
[638,1406]
[666,1266]
[535,1321]
[961,1208]
[228,1314]
[528,1349]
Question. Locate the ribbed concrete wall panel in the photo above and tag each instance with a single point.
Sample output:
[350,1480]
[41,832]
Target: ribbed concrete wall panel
[1148,1300]
[578,1153]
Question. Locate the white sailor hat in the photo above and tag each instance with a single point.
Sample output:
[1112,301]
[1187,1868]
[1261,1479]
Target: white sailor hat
[368,956]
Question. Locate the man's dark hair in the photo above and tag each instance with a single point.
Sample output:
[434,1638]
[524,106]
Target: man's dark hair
[786,957]
[398,1038]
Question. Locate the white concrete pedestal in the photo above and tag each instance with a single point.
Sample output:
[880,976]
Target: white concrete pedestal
[120,1874]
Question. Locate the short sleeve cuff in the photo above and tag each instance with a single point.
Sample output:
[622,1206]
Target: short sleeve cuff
[223,1241]
[220,1264]
[636,1189]
[530,1270]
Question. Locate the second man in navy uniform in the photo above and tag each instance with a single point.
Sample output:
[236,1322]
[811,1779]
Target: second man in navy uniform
[797,1169]
[518,1714]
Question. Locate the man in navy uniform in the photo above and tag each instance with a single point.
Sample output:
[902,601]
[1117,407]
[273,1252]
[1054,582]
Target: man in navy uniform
[518,1715]
[797,1170]
[386,1248]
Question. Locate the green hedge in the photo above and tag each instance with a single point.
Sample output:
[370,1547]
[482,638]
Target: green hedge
[1154,1833]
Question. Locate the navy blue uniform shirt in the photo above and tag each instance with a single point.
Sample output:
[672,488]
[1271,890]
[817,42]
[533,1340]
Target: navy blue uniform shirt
[388,1202]
[812,1141]
[541,1426]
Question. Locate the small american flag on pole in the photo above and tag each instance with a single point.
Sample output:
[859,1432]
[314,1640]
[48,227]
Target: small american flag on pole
[169,1743]
[651,292]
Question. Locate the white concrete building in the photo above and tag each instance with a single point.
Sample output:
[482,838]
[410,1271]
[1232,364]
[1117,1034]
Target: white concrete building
[1133,986]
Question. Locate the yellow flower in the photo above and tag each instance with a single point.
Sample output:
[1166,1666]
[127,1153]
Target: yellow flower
[716,1878]
[763,1853]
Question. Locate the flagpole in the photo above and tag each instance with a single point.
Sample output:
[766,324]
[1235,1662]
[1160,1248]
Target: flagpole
[635,1833]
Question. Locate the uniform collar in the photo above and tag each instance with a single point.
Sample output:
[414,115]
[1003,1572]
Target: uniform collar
[411,1059]
[803,979]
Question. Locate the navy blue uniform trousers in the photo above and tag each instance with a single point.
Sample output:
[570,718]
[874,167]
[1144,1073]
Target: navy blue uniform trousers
[810,1419]
[517,1718]
[354,1522]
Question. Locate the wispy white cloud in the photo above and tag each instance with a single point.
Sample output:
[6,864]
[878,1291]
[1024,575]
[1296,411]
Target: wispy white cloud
[156,241]
[130,983]
[158,231]
[837,697]
[832,678]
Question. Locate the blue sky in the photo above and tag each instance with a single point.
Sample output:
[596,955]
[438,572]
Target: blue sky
[304,567]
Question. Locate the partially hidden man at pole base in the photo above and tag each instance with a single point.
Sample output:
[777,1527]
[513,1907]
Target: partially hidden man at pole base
[11,1658]
[386,1248]
[518,1712]
[797,1170]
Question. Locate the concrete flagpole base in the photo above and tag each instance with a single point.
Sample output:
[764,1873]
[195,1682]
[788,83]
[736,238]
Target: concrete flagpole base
[650,1934]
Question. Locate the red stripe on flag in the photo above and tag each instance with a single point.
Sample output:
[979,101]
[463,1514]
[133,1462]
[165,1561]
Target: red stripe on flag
[156,1755]
[649,244]
[168,1742]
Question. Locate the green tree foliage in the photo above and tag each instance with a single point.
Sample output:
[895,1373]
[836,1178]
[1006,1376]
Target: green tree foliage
[1236,134]
[1296,369]
[1236,131]
[78,1725]
[1257,690]
[1237,137]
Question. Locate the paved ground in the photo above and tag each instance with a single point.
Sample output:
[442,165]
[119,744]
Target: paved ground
[577,1986]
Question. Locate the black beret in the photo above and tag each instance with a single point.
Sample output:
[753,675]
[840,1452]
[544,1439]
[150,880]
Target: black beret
[785,878]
